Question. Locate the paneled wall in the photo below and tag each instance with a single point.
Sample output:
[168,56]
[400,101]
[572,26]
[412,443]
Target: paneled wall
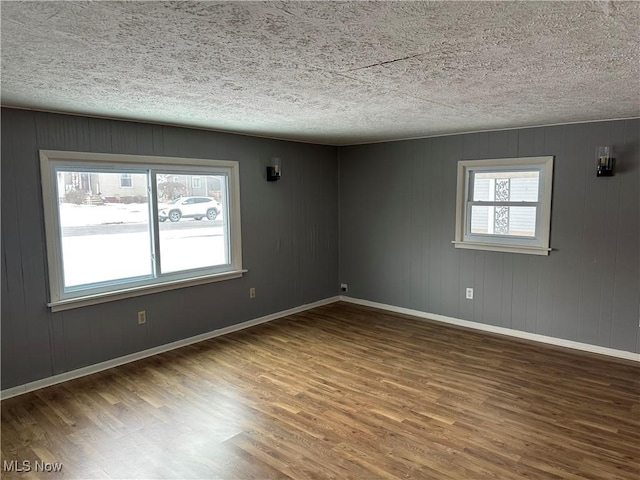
[397,214]
[289,237]
[385,211]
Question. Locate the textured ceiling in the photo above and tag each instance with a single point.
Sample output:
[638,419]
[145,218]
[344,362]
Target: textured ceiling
[326,72]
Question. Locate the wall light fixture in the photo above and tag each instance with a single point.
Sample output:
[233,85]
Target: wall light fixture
[274,170]
[605,161]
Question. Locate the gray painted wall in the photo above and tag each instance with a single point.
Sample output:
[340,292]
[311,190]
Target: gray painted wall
[397,214]
[289,237]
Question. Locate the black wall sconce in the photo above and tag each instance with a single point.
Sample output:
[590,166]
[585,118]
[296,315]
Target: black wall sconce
[274,170]
[606,161]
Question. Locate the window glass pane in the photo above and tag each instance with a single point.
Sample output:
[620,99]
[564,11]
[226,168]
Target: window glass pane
[507,221]
[194,229]
[515,186]
[104,227]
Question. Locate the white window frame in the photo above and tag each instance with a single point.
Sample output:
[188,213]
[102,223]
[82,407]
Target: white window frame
[199,182]
[50,160]
[539,244]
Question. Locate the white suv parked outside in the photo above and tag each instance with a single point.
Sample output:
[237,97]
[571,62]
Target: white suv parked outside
[189,207]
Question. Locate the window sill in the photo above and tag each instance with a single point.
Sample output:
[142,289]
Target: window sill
[493,247]
[96,299]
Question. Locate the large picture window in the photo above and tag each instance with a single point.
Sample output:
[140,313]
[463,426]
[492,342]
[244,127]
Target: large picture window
[505,205]
[157,230]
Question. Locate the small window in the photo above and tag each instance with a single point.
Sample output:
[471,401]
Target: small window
[196,182]
[504,205]
[125,180]
[109,246]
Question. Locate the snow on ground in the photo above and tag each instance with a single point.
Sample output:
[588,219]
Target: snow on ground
[103,258]
[72,215]
[93,258]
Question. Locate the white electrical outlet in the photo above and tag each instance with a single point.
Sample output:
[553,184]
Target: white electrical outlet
[252,292]
[469,293]
[142,317]
[344,287]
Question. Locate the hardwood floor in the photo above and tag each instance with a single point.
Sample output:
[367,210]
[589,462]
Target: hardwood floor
[341,391]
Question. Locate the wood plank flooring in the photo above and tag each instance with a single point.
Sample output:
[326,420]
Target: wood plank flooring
[341,391]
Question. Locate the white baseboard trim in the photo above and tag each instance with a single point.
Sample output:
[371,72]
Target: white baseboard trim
[98,367]
[500,330]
